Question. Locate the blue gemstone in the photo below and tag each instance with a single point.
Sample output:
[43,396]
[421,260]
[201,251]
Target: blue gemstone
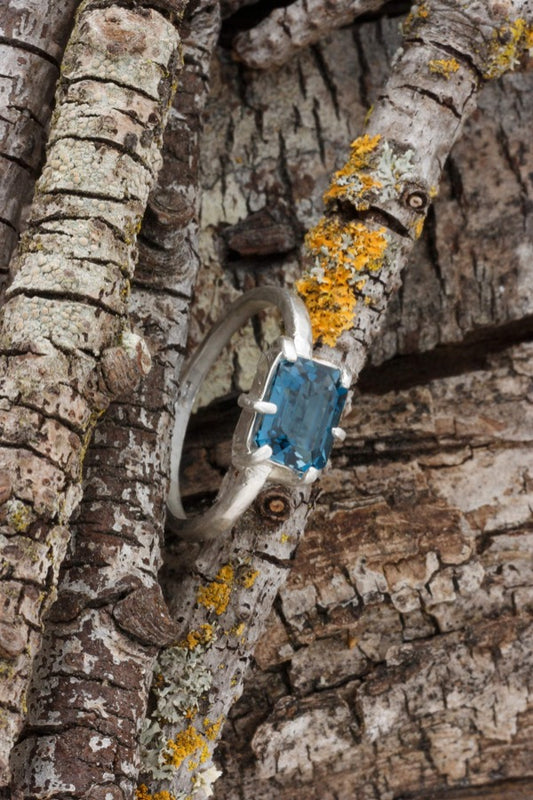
[310,398]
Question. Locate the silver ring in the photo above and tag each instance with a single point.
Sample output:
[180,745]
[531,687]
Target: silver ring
[288,420]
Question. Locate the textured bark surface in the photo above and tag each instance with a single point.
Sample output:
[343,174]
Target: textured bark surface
[89,693]
[32,36]
[65,340]
[396,660]
[302,23]
[407,589]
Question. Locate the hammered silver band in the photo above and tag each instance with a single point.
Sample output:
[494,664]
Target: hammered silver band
[247,476]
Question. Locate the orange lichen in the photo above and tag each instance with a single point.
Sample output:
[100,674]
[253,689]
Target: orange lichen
[350,180]
[196,637]
[506,47]
[330,303]
[249,577]
[340,252]
[212,729]
[142,793]
[185,744]
[351,246]
[215,596]
[444,66]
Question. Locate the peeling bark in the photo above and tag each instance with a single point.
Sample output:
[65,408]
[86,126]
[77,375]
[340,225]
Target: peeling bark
[66,344]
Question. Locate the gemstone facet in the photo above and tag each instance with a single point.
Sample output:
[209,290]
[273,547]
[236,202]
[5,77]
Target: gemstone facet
[310,398]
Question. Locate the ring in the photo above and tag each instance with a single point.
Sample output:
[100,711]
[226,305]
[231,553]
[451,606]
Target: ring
[288,422]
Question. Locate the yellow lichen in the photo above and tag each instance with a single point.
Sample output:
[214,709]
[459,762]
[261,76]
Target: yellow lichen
[330,303]
[212,729]
[185,744]
[350,180]
[198,637]
[142,793]
[249,577]
[506,46]
[351,245]
[419,227]
[238,630]
[215,596]
[340,251]
[444,66]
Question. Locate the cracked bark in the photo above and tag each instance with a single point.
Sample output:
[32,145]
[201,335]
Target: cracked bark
[66,344]
[283,170]
[32,41]
[85,711]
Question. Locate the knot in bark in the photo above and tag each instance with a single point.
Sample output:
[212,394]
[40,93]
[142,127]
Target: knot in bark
[275,505]
[122,367]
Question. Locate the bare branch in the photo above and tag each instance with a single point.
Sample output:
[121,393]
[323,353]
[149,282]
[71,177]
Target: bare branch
[33,38]
[228,589]
[286,30]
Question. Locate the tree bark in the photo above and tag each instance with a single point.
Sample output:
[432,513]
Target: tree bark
[33,38]
[91,680]
[426,596]
[221,598]
[66,345]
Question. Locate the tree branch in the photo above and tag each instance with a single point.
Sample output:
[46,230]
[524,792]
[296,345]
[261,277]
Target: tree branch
[64,334]
[109,608]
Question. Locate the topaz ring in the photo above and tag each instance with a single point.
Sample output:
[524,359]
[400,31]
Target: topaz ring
[288,421]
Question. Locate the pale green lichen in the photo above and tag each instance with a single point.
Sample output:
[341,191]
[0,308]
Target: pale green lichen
[180,683]
[19,515]
[506,47]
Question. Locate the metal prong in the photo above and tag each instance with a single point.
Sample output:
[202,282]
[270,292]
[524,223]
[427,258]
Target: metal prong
[288,349]
[346,378]
[339,434]
[311,475]
[245,401]
[259,406]
[264,407]
[261,454]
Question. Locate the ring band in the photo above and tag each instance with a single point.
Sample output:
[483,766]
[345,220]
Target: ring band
[288,420]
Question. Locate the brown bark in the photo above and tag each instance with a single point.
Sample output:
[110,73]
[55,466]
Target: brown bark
[342,632]
[342,640]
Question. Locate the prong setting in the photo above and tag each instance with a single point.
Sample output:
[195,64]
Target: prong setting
[339,434]
[311,475]
[259,406]
[288,349]
[346,378]
[261,454]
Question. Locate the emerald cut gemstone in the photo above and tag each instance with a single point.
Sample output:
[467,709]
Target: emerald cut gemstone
[309,397]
